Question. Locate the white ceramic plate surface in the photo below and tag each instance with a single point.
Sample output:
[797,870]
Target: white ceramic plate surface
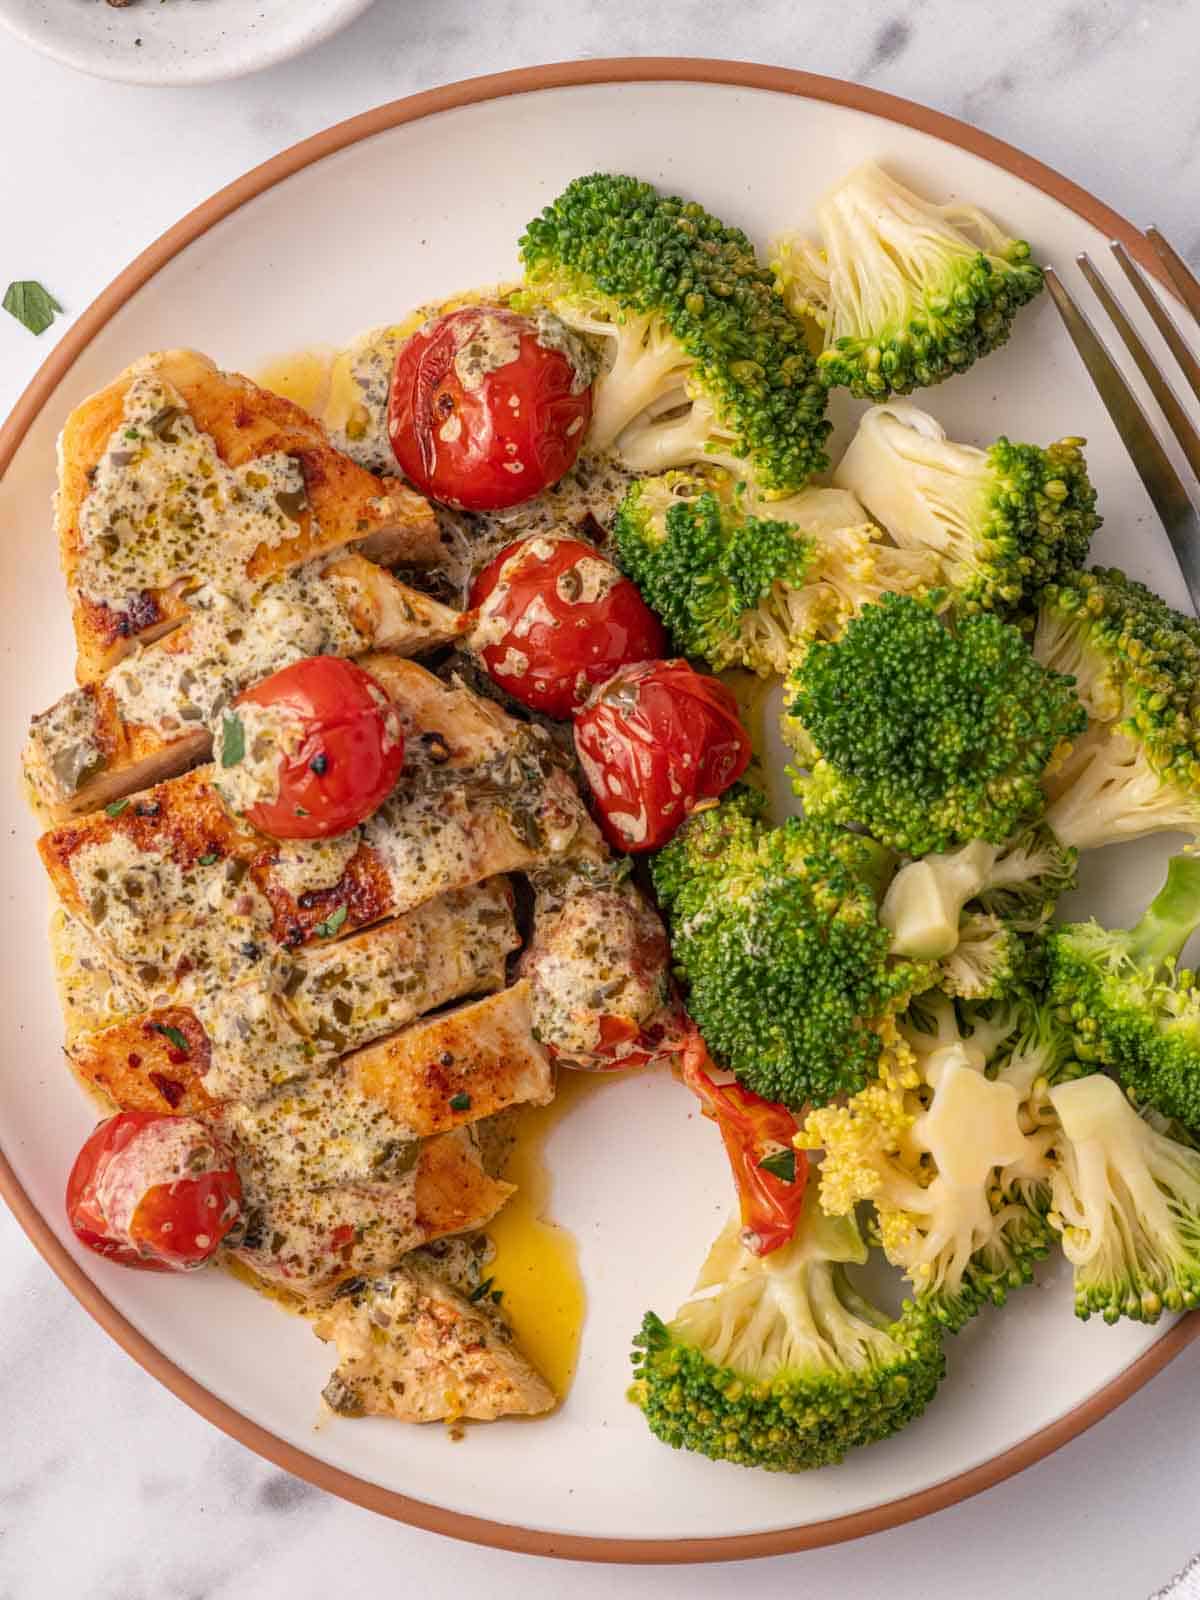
[175,41]
[353,240]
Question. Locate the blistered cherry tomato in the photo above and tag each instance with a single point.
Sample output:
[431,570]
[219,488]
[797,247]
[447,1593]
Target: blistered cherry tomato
[311,751]
[556,617]
[770,1173]
[153,1191]
[486,409]
[654,741]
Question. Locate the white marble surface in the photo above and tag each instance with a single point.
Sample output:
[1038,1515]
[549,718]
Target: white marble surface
[109,1488]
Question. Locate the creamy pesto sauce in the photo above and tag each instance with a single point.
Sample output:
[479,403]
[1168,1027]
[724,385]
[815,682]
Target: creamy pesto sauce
[164,507]
[303,866]
[269,735]
[324,1131]
[234,641]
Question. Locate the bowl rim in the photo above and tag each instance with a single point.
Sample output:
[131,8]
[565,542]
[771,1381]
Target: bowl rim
[372,1496]
[140,67]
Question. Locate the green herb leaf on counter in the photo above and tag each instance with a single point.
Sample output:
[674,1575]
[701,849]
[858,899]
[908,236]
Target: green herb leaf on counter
[233,740]
[173,1036]
[33,306]
[116,808]
[781,1165]
[327,929]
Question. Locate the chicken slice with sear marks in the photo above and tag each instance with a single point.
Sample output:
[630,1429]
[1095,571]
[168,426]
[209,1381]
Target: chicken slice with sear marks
[152,717]
[332,998]
[181,486]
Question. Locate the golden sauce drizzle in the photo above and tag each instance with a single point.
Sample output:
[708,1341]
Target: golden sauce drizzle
[302,378]
[537,1261]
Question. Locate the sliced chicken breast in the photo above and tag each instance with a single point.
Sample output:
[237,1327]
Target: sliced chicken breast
[177,467]
[412,1347]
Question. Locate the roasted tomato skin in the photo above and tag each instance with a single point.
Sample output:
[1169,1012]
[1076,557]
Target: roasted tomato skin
[556,617]
[153,1191]
[653,741]
[753,1130]
[482,414]
[346,753]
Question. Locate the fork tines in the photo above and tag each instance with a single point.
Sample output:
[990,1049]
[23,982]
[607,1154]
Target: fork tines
[1177,511]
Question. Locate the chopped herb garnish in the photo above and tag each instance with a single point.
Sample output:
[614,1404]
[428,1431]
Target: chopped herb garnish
[319,764]
[116,808]
[327,929]
[484,1288]
[781,1165]
[233,740]
[209,859]
[460,1101]
[33,306]
[173,1036]
[497,1296]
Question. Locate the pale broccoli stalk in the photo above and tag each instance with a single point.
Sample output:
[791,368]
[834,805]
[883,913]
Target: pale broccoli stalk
[994,959]
[783,1364]
[1112,788]
[1136,665]
[1002,522]
[929,1153]
[1127,1202]
[1019,882]
[907,292]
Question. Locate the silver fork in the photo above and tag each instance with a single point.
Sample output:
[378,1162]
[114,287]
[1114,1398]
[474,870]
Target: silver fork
[1177,508]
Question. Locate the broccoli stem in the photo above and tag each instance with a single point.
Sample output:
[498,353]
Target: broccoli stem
[1170,919]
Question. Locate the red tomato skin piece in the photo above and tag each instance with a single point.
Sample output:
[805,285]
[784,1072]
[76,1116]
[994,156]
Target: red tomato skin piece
[653,742]
[154,1192]
[350,757]
[483,415]
[556,617]
[752,1129]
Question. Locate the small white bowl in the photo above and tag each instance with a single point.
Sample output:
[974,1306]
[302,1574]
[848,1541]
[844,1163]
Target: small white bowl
[171,42]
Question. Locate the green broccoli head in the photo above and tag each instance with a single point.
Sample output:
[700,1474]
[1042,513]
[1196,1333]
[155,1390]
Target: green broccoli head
[926,736]
[952,1152]
[1002,522]
[1127,1203]
[776,934]
[704,361]
[739,589]
[1129,1006]
[907,292]
[1136,664]
[784,1364]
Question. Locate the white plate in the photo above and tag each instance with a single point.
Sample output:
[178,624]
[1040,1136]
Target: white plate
[416,205]
[175,41]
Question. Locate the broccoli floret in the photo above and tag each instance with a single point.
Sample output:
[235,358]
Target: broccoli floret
[753,591]
[1001,522]
[783,1364]
[924,904]
[703,359]
[926,736]
[952,1154]
[1136,664]
[907,292]
[1127,1202]
[994,959]
[1129,1006]
[776,934]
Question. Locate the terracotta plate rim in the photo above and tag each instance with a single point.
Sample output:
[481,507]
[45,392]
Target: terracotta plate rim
[373,1497]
